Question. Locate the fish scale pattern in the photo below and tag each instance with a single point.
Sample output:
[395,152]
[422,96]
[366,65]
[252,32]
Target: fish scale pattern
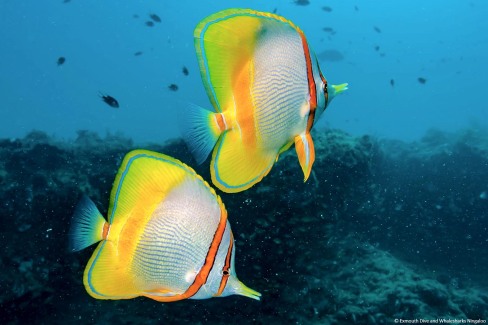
[280,85]
[176,239]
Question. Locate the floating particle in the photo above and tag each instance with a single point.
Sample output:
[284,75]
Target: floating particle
[327,9]
[392,82]
[61,60]
[422,80]
[138,53]
[185,71]
[377,29]
[173,87]
[149,23]
[377,48]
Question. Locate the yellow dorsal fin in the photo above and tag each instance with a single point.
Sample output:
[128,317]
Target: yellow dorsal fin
[222,44]
[225,42]
[142,172]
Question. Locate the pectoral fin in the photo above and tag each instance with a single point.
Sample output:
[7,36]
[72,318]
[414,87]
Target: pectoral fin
[305,152]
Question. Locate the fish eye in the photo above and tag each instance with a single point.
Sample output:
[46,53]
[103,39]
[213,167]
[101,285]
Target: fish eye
[225,272]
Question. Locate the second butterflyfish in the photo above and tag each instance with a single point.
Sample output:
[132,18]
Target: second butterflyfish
[267,92]
[167,236]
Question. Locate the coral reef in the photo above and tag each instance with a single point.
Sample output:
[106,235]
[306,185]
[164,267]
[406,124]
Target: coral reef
[382,230]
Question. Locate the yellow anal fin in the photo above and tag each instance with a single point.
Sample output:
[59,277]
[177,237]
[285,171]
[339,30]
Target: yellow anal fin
[106,274]
[306,153]
[236,167]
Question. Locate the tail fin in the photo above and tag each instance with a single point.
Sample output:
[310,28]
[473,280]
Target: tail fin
[88,226]
[200,129]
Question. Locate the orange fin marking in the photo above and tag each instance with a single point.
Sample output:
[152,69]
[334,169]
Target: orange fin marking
[306,153]
[221,121]
[106,230]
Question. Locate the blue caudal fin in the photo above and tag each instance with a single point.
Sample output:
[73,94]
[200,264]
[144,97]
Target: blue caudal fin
[87,226]
[200,130]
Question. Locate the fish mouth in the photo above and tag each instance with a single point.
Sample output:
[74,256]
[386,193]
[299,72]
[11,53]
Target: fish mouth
[340,88]
[245,291]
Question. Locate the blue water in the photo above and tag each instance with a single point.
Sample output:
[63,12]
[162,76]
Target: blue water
[382,230]
[437,40]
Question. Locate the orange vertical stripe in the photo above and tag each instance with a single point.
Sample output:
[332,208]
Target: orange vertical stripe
[311,82]
[226,268]
[245,110]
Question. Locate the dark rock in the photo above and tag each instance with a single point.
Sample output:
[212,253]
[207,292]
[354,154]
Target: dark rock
[330,250]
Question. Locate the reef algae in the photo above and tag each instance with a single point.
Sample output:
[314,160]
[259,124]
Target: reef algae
[382,230]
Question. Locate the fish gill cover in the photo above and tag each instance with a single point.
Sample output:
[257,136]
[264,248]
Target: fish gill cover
[384,229]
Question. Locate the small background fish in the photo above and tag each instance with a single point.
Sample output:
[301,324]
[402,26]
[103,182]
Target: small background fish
[109,100]
[155,18]
[330,55]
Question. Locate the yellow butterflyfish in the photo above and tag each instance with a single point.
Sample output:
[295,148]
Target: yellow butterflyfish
[266,89]
[167,236]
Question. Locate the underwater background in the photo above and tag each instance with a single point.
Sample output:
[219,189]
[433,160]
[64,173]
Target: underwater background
[392,224]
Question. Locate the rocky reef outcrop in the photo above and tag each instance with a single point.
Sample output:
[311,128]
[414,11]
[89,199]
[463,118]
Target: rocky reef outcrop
[382,230]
